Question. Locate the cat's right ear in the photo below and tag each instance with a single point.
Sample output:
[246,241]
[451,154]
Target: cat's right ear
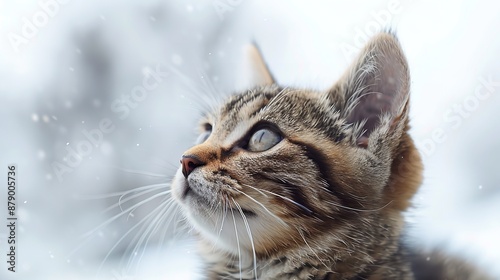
[255,70]
[374,92]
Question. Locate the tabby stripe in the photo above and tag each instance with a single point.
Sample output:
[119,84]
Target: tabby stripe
[324,168]
[258,109]
[296,193]
[266,98]
[236,104]
[299,197]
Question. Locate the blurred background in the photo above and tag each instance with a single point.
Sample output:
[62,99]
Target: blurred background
[100,98]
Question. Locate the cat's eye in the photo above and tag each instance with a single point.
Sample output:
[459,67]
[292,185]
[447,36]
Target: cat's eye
[263,139]
[205,134]
[203,137]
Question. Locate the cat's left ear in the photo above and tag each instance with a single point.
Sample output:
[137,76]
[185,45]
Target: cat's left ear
[255,70]
[374,92]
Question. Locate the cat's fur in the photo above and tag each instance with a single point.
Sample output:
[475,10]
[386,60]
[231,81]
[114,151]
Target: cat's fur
[326,202]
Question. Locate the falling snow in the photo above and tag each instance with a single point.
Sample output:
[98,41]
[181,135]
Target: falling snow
[41,154]
[94,64]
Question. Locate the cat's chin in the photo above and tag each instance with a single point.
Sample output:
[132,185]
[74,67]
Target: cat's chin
[224,227]
[198,199]
[225,231]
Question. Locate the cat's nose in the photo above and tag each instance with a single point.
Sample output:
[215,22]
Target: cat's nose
[189,163]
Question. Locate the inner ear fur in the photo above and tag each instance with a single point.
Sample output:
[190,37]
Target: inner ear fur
[376,86]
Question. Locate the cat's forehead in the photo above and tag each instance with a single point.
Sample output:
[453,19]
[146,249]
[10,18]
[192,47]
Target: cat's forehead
[245,106]
[269,103]
[290,109]
[239,113]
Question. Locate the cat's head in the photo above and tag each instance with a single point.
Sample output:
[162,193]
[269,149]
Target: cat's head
[278,168]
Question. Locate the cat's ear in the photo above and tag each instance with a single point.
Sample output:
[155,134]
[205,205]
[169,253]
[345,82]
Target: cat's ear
[374,92]
[255,70]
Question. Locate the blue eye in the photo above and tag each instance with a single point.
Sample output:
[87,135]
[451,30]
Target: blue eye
[203,137]
[263,139]
[207,130]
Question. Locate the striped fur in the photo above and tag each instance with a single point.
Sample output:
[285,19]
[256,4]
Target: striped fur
[326,202]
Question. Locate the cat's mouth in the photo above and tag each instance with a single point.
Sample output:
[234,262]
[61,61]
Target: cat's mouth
[189,191]
[186,191]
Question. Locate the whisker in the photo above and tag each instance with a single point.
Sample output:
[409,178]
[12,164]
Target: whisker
[140,172]
[188,83]
[358,210]
[224,213]
[145,173]
[289,200]
[256,189]
[109,195]
[264,207]
[148,233]
[168,221]
[131,250]
[125,212]
[303,238]
[210,88]
[213,210]
[249,232]
[153,187]
[237,240]
[278,97]
[195,88]
[90,234]
[329,202]
[124,236]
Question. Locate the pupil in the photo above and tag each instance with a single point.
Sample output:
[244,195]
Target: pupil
[261,135]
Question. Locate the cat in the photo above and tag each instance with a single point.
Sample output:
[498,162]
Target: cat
[289,183]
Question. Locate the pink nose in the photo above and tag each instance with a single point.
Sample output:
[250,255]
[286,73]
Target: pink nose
[189,163]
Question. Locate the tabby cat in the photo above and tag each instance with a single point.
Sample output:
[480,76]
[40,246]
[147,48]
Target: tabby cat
[289,183]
